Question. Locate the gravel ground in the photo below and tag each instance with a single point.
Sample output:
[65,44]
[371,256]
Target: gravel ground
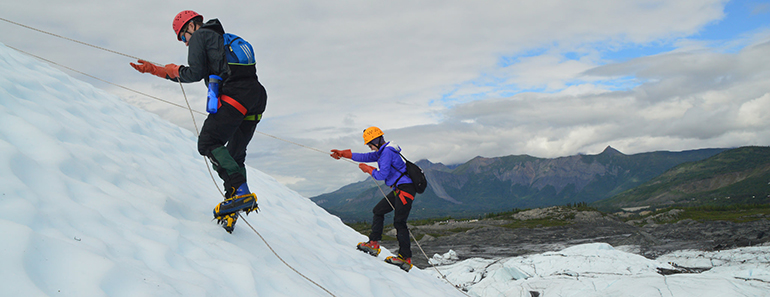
[487,239]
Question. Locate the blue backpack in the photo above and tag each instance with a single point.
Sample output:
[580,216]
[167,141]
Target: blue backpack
[239,51]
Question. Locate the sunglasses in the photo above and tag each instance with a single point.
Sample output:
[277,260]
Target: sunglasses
[182,37]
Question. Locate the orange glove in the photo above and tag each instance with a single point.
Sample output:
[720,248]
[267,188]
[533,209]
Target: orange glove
[170,70]
[366,168]
[337,154]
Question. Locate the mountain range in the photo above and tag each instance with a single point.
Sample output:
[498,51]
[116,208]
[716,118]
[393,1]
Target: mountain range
[488,185]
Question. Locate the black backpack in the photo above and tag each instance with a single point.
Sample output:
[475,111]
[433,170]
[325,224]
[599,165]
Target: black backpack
[415,173]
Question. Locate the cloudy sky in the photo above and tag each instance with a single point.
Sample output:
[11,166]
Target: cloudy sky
[447,80]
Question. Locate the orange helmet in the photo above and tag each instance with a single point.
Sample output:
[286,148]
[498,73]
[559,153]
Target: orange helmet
[371,133]
[181,19]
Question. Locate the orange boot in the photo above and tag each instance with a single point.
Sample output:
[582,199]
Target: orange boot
[370,247]
[404,263]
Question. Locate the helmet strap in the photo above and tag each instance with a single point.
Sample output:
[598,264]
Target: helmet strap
[378,142]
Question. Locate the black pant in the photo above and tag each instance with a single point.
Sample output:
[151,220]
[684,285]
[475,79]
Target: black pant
[399,219]
[226,134]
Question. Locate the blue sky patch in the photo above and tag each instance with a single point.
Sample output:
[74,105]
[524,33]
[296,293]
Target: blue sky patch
[741,18]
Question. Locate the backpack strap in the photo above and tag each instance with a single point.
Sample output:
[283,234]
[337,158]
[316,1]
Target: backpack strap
[229,46]
[402,173]
[233,40]
[399,178]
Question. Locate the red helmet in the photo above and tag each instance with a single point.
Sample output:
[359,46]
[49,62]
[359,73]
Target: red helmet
[181,19]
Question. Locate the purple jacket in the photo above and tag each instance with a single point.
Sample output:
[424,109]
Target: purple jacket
[390,164]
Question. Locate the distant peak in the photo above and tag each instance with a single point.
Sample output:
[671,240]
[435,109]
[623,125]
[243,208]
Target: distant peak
[611,151]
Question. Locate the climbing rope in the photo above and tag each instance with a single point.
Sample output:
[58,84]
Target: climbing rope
[418,243]
[96,78]
[70,39]
[197,135]
[135,91]
[279,257]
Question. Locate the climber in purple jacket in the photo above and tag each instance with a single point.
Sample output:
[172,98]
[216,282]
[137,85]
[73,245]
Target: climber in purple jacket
[392,170]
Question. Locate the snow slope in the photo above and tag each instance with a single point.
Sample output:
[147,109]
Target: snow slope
[99,198]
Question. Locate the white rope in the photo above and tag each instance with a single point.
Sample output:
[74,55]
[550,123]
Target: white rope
[279,257]
[417,242]
[70,39]
[197,134]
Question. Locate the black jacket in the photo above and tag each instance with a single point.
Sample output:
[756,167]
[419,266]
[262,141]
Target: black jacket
[206,56]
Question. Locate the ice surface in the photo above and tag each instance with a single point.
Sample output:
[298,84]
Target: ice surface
[600,270]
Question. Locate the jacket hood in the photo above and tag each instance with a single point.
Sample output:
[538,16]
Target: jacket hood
[214,25]
[392,145]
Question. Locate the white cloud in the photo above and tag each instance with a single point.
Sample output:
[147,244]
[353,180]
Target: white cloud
[753,115]
[430,74]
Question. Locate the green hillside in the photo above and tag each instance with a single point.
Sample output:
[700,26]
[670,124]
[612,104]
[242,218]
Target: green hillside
[735,176]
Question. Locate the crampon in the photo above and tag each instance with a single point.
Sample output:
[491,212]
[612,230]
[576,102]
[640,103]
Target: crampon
[403,263]
[369,247]
[226,212]
[228,221]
